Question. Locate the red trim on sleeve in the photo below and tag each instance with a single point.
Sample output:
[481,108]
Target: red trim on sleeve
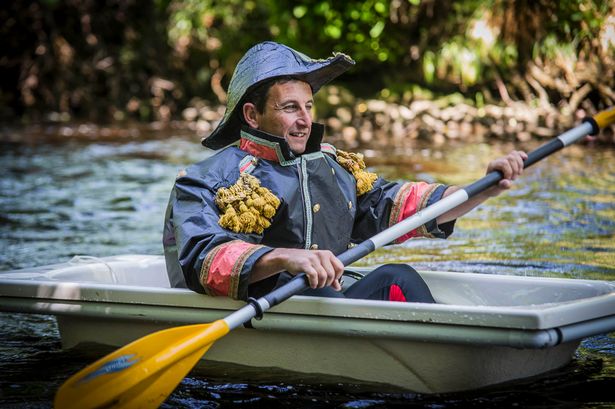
[411,198]
[223,265]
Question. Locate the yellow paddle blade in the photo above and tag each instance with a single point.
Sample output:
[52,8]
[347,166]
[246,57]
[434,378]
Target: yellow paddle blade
[143,373]
[605,118]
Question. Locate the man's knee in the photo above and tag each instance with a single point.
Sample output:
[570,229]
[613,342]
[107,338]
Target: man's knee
[396,272]
[409,281]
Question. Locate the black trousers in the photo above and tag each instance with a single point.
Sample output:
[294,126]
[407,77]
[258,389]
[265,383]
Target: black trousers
[391,282]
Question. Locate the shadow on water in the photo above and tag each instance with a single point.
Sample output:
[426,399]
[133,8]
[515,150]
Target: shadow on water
[107,197]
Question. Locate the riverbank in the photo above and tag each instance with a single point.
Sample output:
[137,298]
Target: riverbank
[380,123]
[353,123]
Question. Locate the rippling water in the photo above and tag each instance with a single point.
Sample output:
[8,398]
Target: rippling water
[106,198]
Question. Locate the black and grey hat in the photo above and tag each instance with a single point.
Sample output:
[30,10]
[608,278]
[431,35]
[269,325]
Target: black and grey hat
[265,61]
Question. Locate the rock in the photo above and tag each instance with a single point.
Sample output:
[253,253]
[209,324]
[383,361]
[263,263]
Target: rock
[420,106]
[190,114]
[335,124]
[438,139]
[349,135]
[523,136]
[333,99]
[203,126]
[344,114]
[406,113]
[366,132]
[209,114]
[375,105]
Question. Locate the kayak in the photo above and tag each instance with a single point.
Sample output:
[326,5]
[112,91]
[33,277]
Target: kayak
[485,329]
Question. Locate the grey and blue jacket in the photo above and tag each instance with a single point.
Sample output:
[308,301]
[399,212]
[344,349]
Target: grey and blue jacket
[317,207]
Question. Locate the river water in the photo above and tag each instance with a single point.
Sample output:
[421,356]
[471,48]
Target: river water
[61,196]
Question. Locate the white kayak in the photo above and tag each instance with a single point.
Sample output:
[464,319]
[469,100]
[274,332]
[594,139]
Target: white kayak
[485,329]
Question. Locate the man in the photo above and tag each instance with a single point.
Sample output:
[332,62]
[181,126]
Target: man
[277,202]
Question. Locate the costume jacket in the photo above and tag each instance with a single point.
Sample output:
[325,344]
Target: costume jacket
[319,208]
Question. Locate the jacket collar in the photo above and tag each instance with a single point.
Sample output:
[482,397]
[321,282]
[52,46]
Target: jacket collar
[270,147]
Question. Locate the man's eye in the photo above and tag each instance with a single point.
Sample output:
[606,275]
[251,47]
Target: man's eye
[290,108]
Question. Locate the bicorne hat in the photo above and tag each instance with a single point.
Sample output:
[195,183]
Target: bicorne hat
[265,61]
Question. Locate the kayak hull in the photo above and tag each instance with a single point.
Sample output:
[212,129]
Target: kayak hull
[485,329]
[395,364]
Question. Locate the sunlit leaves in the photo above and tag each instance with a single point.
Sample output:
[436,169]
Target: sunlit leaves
[300,11]
[333,31]
[429,66]
[457,43]
[207,24]
[376,29]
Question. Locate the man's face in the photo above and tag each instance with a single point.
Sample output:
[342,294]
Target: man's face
[288,113]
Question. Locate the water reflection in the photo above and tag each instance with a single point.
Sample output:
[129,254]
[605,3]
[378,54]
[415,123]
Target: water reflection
[77,198]
[559,219]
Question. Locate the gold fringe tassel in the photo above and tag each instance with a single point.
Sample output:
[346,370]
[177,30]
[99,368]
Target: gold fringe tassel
[246,207]
[354,163]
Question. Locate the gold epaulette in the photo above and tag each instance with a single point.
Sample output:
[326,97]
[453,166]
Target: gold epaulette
[354,163]
[246,206]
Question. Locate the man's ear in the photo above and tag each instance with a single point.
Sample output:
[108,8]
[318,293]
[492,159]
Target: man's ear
[249,115]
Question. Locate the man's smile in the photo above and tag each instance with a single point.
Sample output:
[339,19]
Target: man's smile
[298,134]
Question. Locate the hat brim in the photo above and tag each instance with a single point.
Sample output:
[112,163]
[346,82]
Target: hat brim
[320,73]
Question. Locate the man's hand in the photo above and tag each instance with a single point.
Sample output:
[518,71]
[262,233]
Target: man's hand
[511,167]
[321,266]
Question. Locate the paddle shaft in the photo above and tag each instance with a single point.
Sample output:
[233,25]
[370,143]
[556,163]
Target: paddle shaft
[300,283]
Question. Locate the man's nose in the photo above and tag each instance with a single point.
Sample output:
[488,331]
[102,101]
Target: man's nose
[305,116]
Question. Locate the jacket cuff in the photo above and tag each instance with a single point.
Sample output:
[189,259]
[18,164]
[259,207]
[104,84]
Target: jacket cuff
[432,229]
[226,268]
[412,198]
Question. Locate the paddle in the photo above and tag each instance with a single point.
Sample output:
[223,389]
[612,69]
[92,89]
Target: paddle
[144,372]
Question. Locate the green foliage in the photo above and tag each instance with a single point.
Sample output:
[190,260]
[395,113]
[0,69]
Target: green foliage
[143,57]
[457,44]
[208,35]
[357,28]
